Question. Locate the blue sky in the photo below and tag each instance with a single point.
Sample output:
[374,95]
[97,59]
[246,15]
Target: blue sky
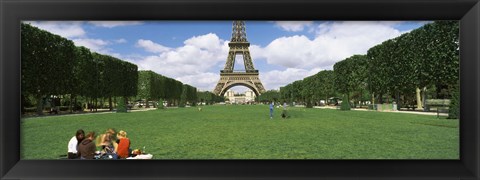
[195,51]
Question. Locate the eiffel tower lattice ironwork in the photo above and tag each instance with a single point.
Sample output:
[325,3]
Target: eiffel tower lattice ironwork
[230,78]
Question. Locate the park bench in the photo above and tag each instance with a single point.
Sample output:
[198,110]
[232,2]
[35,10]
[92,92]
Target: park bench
[53,110]
[441,105]
[410,106]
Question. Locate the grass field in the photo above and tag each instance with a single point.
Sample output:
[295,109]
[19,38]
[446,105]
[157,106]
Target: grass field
[246,132]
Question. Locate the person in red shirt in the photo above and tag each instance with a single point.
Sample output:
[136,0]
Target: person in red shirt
[123,148]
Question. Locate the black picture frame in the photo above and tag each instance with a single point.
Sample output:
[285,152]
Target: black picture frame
[14,11]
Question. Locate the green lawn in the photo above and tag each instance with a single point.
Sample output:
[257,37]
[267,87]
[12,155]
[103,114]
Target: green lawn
[246,132]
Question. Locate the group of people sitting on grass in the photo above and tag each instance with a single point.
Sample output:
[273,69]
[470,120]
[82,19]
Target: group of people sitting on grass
[112,145]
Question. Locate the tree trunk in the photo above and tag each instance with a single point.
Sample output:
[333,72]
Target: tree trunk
[110,105]
[39,105]
[74,104]
[348,98]
[424,98]
[96,103]
[85,106]
[71,104]
[147,104]
[373,98]
[23,103]
[380,98]
[419,99]
[126,102]
[399,103]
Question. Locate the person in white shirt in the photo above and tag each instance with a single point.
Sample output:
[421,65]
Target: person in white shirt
[73,144]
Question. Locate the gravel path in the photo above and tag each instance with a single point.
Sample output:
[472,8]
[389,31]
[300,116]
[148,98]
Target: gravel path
[407,112]
[100,111]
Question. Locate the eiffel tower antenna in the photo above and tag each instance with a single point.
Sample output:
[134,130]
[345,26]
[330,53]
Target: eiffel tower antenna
[228,77]
[239,33]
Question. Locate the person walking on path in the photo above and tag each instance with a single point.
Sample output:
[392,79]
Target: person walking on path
[271,110]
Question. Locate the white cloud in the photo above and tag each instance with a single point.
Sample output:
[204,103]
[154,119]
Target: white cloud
[239,89]
[293,26]
[92,44]
[74,31]
[197,62]
[198,55]
[67,29]
[111,24]
[202,81]
[120,41]
[209,42]
[150,46]
[98,45]
[334,42]
[275,79]
[200,58]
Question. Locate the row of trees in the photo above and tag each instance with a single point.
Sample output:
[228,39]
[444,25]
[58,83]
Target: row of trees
[268,96]
[426,59]
[53,66]
[155,87]
[208,98]
[421,64]
[311,89]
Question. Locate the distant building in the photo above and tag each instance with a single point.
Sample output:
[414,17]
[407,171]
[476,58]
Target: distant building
[233,98]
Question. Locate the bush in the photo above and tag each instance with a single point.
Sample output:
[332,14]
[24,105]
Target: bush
[182,103]
[121,107]
[309,104]
[371,107]
[160,104]
[63,108]
[454,109]
[345,106]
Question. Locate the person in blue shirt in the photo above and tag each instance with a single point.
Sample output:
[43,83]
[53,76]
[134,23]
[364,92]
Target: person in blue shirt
[271,110]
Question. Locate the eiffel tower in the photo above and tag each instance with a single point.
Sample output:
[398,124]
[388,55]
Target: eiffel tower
[230,78]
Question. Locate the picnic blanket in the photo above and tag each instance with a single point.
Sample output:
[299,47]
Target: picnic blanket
[142,156]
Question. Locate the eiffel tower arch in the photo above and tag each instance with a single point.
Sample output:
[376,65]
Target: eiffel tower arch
[230,78]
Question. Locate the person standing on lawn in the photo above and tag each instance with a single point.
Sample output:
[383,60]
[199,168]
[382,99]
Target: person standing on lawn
[284,113]
[271,110]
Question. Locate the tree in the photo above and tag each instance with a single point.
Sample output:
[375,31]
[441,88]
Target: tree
[454,109]
[326,87]
[308,90]
[183,97]
[350,75]
[85,74]
[47,64]
[269,96]
[345,106]
[121,108]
